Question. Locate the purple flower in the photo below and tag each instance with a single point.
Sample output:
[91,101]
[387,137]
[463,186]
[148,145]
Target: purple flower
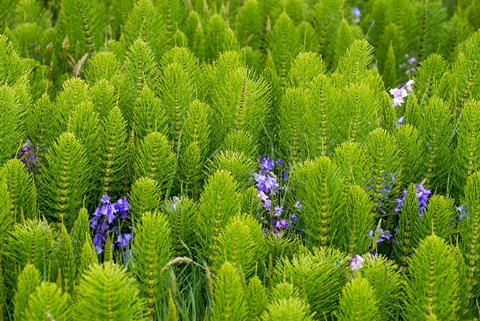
[408,86]
[266,164]
[98,242]
[123,240]
[400,121]
[422,197]
[356,15]
[400,201]
[266,183]
[262,196]
[293,218]
[278,210]
[122,207]
[267,204]
[356,263]
[281,224]
[105,199]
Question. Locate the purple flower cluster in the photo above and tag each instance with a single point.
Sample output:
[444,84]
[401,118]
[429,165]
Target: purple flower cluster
[400,93]
[108,218]
[268,188]
[410,65]
[28,155]
[422,197]
[356,263]
[383,236]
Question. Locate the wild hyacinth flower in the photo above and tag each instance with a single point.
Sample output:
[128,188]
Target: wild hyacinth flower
[28,155]
[400,93]
[356,263]
[269,193]
[356,14]
[266,165]
[108,219]
[399,121]
[422,197]
[409,65]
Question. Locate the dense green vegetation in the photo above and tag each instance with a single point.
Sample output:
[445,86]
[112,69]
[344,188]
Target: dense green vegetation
[239,160]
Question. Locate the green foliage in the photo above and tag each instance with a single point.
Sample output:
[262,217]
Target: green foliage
[218,38]
[21,187]
[358,301]
[242,244]
[144,197]
[6,217]
[257,298]
[178,92]
[204,90]
[40,129]
[152,249]
[249,24]
[156,160]
[29,243]
[87,256]
[195,148]
[180,213]
[383,155]
[75,92]
[412,155]
[66,262]
[139,69]
[438,218]
[145,22]
[148,114]
[358,219]
[382,274]
[463,79]
[432,287]
[409,220]
[103,65]
[12,119]
[229,301]
[104,97]
[437,135]
[28,281]
[291,309]
[218,204]
[320,190]
[309,272]
[13,68]
[173,15]
[238,100]
[238,164]
[292,118]
[112,154]
[49,302]
[83,25]
[285,44]
[107,292]
[80,231]
[305,68]
[467,155]
[64,180]
[470,236]
[353,163]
